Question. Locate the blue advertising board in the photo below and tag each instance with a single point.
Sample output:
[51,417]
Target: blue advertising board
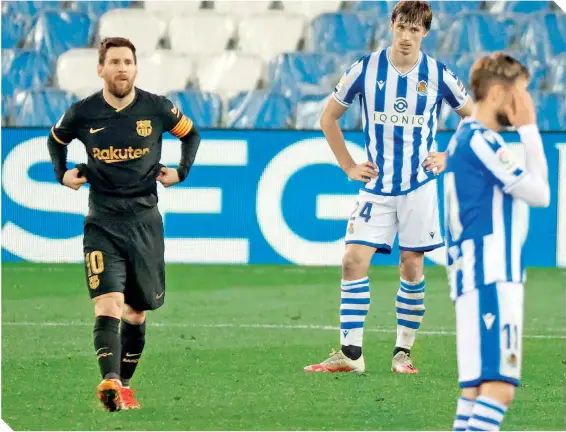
[252,197]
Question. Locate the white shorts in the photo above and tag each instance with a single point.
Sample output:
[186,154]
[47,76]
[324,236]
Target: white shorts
[489,334]
[376,220]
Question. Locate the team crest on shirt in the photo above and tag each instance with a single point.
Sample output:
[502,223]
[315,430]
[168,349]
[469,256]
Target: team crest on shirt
[422,88]
[143,127]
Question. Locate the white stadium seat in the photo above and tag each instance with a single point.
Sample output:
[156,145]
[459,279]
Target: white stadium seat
[76,72]
[311,9]
[170,9]
[163,72]
[267,35]
[206,32]
[229,73]
[241,8]
[143,28]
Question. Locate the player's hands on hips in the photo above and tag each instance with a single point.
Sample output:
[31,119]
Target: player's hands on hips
[363,172]
[435,162]
[73,179]
[521,110]
[168,177]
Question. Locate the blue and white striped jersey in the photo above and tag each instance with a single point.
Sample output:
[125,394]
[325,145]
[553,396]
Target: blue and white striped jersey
[486,227]
[399,115]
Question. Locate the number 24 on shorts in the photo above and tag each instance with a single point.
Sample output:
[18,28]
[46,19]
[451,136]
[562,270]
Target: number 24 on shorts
[365,212]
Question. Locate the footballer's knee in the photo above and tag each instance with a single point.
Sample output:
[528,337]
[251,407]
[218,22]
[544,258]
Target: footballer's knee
[110,304]
[133,316]
[502,392]
[470,393]
[412,266]
[355,262]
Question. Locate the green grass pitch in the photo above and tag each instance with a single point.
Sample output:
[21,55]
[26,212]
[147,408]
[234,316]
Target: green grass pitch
[227,352]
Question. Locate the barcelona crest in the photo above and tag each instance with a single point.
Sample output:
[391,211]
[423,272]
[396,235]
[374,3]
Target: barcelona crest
[143,127]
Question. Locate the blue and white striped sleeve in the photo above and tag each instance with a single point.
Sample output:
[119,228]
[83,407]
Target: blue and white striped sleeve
[453,90]
[497,159]
[350,84]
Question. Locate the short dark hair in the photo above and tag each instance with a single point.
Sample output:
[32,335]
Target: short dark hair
[414,12]
[114,42]
[495,67]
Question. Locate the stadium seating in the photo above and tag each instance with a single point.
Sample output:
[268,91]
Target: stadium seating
[311,9]
[163,72]
[75,63]
[218,50]
[14,29]
[28,8]
[144,29]
[242,8]
[27,69]
[229,73]
[543,35]
[202,33]
[340,33]
[518,6]
[551,114]
[266,34]
[204,108]
[309,109]
[475,32]
[259,109]
[95,9]
[55,32]
[169,9]
[42,107]
[297,74]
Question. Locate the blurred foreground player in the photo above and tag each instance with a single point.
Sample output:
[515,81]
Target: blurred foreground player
[121,128]
[487,220]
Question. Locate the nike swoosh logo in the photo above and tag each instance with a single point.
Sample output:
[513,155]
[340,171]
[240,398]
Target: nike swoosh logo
[100,349]
[132,355]
[93,131]
[158,296]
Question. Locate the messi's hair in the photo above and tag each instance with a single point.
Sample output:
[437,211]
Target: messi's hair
[497,67]
[413,12]
[114,42]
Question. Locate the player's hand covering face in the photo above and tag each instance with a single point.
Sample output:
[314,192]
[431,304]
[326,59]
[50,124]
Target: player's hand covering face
[407,37]
[119,71]
[520,110]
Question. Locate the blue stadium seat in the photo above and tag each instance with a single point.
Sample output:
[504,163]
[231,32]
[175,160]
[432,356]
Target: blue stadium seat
[449,119]
[259,109]
[376,12]
[296,74]
[43,107]
[551,112]
[27,70]
[54,32]
[14,29]
[28,8]
[543,35]
[6,105]
[95,9]
[522,6]
[340,33]
[474,32]
[454,7]
[309,109]
[204,108]
[557,74]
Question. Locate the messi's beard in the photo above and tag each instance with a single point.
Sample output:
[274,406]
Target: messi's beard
[120,92]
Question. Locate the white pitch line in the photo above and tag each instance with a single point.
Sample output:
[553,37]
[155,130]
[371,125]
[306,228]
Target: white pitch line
[265,326]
